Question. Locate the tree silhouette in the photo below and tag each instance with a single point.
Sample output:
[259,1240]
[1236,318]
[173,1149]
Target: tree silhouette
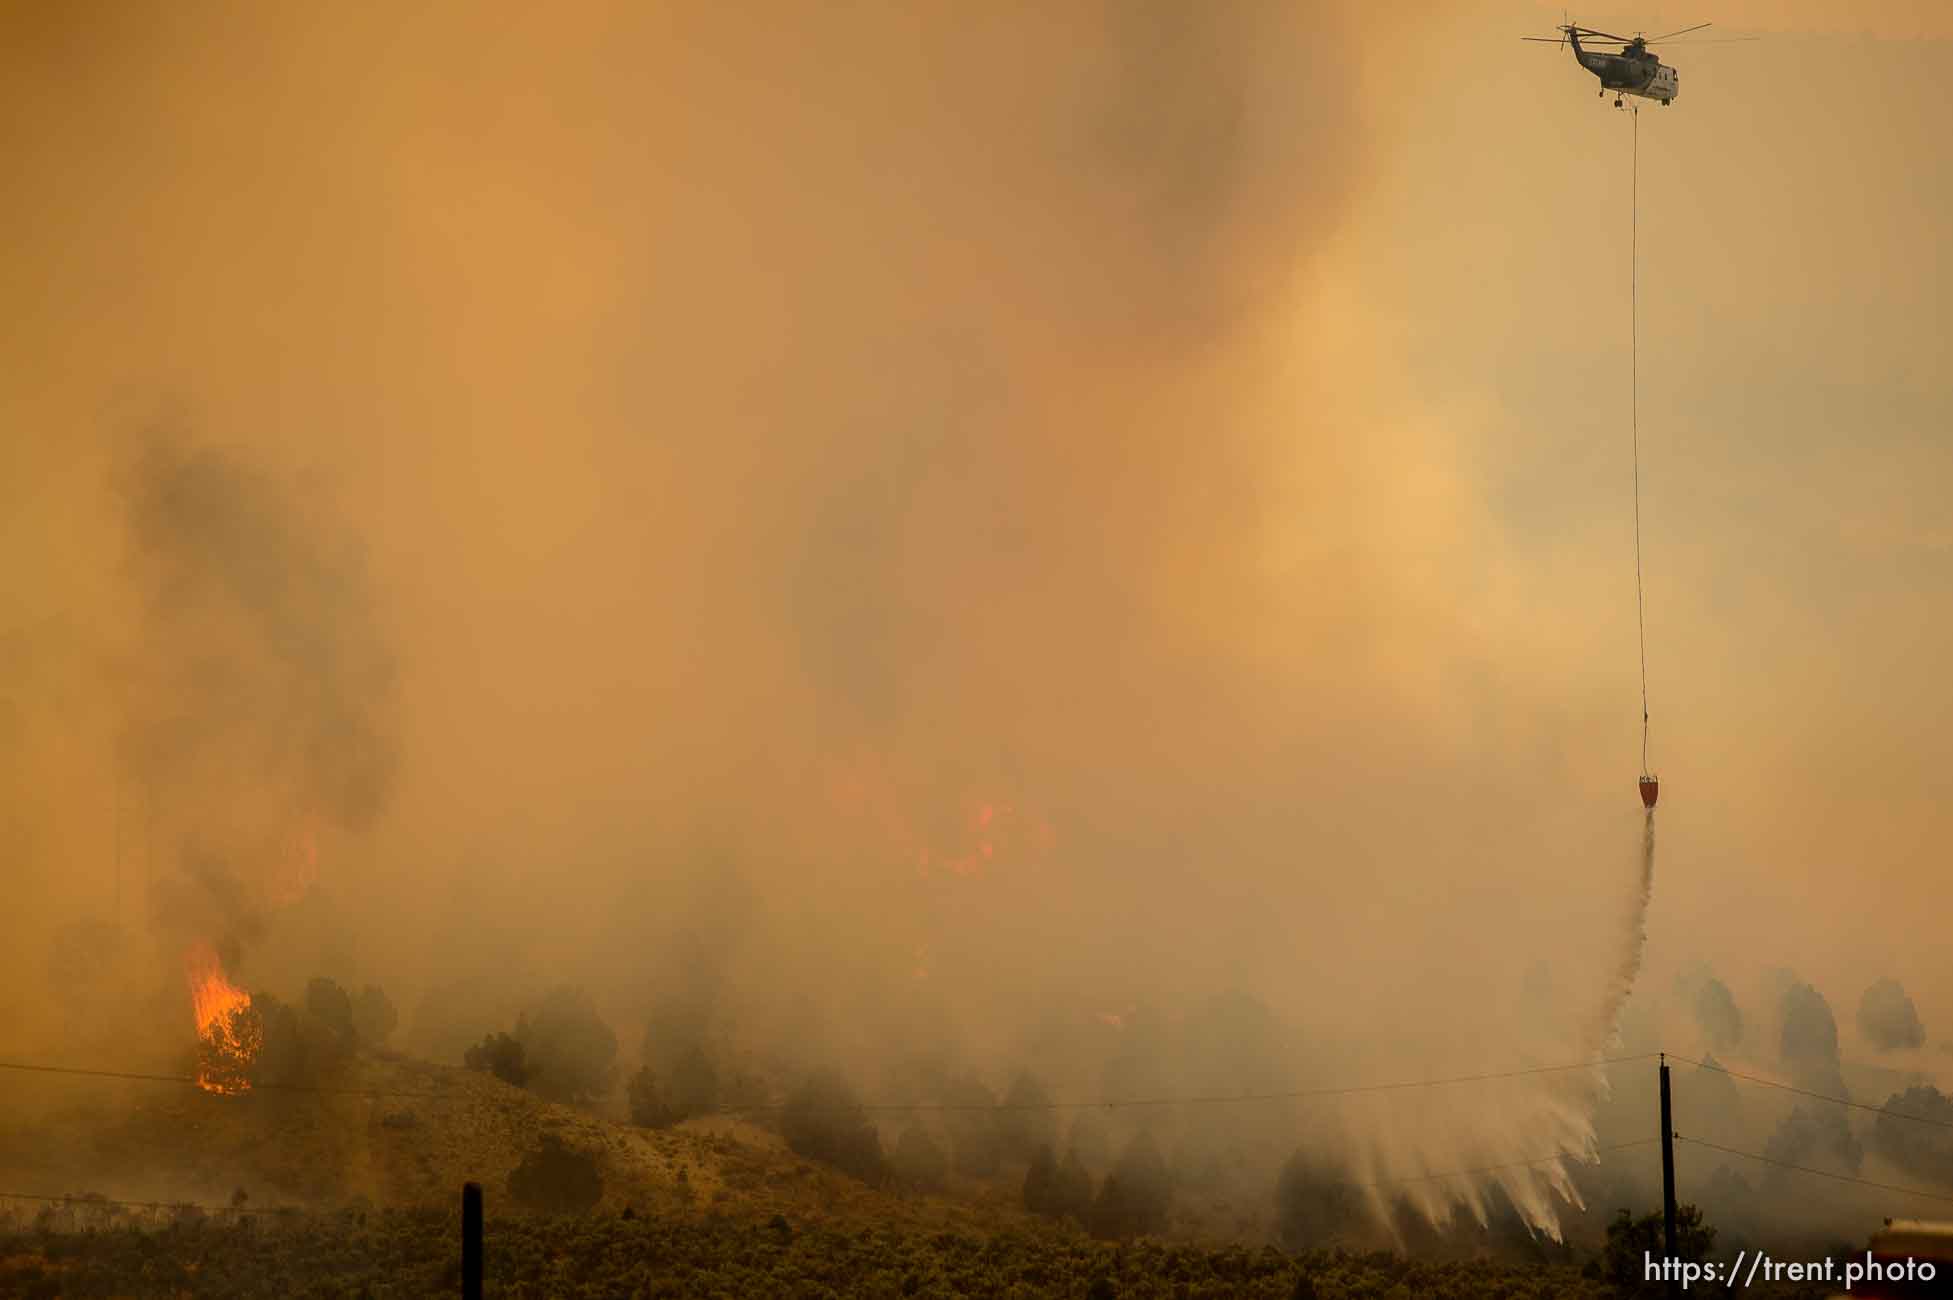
[823,1121]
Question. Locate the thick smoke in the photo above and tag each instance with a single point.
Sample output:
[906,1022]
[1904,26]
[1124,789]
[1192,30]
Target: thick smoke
[890,540]
[1633,942]
[261,664]
[259,696]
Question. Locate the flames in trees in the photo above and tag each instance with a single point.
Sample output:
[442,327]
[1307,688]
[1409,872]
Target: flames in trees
[228,1035]
[934,834]
[984,834]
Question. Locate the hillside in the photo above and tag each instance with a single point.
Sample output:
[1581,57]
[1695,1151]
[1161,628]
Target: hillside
[711,1208]
[437,1128]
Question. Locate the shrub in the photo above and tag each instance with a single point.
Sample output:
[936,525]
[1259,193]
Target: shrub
[1630,1241]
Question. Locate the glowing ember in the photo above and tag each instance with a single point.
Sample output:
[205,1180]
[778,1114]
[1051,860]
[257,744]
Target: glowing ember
[228,1034]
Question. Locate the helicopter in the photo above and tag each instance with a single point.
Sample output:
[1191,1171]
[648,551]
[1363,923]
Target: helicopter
[1635,70]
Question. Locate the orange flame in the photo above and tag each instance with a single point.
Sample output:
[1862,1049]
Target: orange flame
[991,834]
[227,1042]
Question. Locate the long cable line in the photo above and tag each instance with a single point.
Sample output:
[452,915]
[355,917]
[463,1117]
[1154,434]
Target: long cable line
[1805,1169]
[1634,406]
[1817,1096]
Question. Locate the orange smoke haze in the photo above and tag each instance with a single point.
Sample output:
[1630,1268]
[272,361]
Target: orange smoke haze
[923,527]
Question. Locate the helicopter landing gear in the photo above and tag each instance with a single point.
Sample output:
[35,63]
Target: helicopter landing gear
[1618,104]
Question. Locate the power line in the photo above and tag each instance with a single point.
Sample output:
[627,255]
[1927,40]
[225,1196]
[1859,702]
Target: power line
[192,1079]
[1818,1096]
[1299,1094]
[1803,1169]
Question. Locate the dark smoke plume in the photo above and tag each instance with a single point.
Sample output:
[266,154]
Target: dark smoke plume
[258,701]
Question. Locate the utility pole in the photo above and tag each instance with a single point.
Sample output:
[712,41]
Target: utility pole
[1667,1176]
[471,1270]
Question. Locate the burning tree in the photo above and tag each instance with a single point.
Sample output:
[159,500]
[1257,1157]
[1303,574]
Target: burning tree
[230,1034]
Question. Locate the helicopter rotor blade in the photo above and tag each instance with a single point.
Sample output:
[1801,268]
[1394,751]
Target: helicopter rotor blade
[1608,36]
[1709,40]
[1698,27]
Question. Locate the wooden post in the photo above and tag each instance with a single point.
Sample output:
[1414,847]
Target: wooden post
[471,1241]
[1667,1174]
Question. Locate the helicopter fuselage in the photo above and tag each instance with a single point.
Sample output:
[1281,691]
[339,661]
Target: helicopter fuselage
[1632,72]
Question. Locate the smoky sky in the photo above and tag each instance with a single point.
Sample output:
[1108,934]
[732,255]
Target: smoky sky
[966,518]
[261,632]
